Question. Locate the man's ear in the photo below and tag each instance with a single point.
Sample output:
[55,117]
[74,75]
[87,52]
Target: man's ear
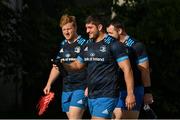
[120,31]
[100,27]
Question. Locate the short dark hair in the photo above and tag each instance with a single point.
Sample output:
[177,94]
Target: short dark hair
[96,20]
[117,23]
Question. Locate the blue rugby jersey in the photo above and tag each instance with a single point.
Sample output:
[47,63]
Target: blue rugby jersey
[101,58]
[68,53]
[137,54]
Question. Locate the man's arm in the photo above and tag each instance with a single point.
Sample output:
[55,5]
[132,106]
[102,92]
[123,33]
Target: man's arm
[76,65]
[52,77]
[145,76]
[119,53]
[145,73]
[128,76]
[143,66]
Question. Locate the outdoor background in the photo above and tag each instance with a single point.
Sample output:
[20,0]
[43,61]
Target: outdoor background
[30,35]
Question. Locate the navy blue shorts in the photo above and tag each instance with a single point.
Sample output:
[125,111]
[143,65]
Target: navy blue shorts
[139,94]
[74,98]
[102,107]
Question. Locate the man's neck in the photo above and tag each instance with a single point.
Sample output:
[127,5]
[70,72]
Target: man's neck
[73,39]
[100,37]
[123,38]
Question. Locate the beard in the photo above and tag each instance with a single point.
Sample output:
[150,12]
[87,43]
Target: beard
[95,35]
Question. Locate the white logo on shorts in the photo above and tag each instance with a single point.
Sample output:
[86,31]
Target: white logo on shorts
[80,102]
[105,112]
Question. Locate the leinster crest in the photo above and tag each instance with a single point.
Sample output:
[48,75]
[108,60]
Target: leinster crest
[103,48]
[77,49]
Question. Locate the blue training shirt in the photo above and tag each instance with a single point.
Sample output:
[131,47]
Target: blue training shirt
[68,53]
[137,55]
[101,58]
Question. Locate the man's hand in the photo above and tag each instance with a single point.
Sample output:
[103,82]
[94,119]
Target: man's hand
[47,89]
[130,101]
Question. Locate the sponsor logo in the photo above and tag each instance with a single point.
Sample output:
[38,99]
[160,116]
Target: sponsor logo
[68,59]
[94,59]
[92,54]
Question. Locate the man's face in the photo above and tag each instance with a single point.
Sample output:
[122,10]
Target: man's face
[69,31]
[92,30]
[112,31]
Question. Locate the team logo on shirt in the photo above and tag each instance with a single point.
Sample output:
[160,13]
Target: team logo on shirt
[103,48]
[77,49]
[61,50]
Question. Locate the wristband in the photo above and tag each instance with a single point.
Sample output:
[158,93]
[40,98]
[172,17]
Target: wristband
[147,90]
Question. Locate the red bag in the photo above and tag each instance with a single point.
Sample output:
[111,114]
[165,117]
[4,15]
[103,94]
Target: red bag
[44,102]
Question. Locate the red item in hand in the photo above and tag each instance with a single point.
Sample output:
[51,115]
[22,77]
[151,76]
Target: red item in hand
[44,102]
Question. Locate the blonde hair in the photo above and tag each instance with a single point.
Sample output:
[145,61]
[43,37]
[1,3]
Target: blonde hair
[67,19]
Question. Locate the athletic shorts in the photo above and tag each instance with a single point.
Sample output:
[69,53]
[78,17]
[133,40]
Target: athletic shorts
[102,107]
[74,98]
[139,93]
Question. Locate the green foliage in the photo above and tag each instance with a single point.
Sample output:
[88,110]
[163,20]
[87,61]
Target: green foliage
[156,23]
[11,56]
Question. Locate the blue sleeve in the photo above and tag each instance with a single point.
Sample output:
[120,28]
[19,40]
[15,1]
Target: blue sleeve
[80,59]
[119,51]
[80,56]
[140,52]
